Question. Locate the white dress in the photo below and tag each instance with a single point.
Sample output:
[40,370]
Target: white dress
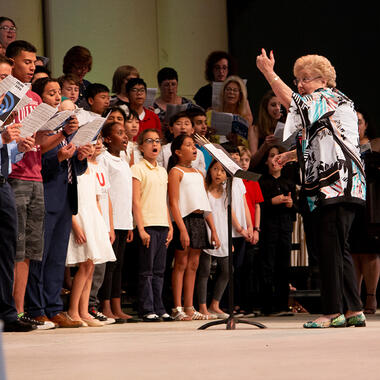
[98,247]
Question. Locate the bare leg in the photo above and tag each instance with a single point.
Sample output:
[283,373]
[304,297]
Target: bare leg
[215,307]
[116,309]
[180,265]
[20,282]
[68,281]
[79,283]
[84,299]
[203,309]
[371,273]
[106,309]
[189,279]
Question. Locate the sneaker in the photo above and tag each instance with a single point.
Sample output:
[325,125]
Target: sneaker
[100,316]
[40,325]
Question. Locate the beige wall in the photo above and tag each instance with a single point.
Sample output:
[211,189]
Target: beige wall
[27,14]
[188,31]
[148,34]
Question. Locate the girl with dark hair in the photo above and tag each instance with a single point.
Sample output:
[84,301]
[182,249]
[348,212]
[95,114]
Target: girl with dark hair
[277,218]
[261,137]
[190,209]
[216,191]
[154,226]
[120,176]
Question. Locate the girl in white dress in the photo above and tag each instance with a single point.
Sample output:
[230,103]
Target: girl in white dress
[89,244]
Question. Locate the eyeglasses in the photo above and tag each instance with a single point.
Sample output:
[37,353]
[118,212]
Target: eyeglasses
[12,29]
[151,141]
[138,90]
[221,68]
[305,80]
[233,90]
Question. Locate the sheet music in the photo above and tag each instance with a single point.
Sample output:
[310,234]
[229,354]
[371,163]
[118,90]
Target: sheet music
[57,121]
[14,91]
[279,133]
[216,90]
[221,122]
[150,96]
[89,132]
[39,116]
[172,109]
[25,100]
[223,158]
[85,116]
[224,123]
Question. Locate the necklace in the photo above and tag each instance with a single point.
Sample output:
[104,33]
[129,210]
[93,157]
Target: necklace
[185,166]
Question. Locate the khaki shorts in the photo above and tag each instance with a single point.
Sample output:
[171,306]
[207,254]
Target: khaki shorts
[30,204]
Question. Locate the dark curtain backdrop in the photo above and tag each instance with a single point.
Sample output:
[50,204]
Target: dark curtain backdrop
[347,35]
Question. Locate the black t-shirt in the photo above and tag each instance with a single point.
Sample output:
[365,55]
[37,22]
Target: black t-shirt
[203,97]
[270,188]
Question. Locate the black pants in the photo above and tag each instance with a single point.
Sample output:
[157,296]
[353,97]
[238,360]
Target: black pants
[238,256]
[339,291]
[8,238]
[111,287]
[275,247]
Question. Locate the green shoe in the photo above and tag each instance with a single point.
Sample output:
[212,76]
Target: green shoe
[339,321]
[357,321]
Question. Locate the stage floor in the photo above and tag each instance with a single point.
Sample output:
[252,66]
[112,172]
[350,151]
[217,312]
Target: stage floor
[177,350]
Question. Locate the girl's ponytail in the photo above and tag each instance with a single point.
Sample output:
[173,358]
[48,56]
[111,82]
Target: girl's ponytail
[176,145]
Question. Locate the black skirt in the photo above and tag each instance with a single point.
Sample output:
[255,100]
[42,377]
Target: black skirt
[196,228]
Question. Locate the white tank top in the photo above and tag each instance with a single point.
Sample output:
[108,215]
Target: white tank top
[192,193]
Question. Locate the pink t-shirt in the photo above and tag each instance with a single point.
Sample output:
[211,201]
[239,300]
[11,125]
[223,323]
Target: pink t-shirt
[29,168]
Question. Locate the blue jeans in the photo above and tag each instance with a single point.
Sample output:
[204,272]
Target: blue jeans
[152,262]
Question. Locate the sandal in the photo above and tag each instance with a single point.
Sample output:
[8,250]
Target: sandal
[196,316]
[179,315]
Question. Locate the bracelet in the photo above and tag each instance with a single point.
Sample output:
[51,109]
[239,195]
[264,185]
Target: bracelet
[257,229]
[274,79]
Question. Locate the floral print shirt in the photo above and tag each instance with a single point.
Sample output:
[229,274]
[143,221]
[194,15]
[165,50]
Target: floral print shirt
[328,147]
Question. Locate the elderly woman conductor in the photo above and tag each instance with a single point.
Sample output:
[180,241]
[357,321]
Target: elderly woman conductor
[332,176]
